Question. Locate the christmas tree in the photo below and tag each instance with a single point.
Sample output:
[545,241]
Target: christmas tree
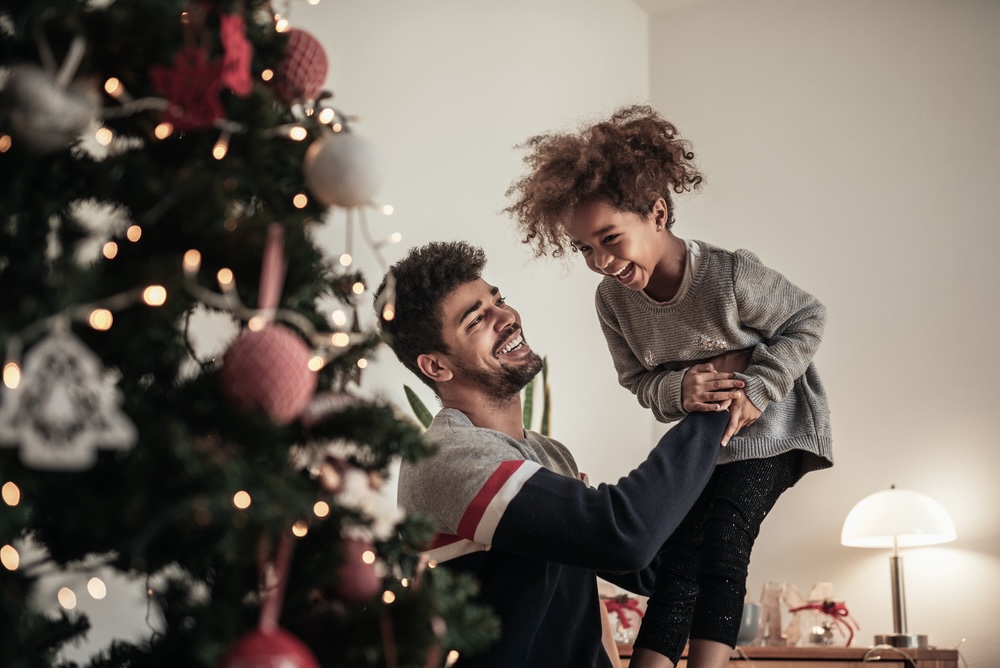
[163,160]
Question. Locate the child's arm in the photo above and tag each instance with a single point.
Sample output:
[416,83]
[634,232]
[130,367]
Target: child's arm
[790,320]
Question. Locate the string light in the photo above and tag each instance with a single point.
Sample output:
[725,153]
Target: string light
[340,339]
[405,582]
[339,318]
[104,136]
[388,312]
[300,201]
[225,279]
[388,597]
[337,127]
[163,130]
[256,323]
[387,209]
[362,363]
[267,74]
[133,233]
[452,658]
[432,564]
[155,295]
[300,529]
[9,557]
[11,375]
[368,557]
[321,509]
[110,250]
[358,288]
[100,319]
[221,147]
[66,597]
[395,237]
[96,588]
[313,2]
[281,24]
[11,494]
[298,133]
[114,87]
[241,500]
[192,262]
[327,115]
[5,143]
[316,363]
[346,259]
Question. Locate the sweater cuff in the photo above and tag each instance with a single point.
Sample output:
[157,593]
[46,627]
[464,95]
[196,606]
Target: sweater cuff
[755,391]
[675,401]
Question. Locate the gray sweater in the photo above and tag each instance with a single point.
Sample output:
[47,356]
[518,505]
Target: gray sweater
[730,302]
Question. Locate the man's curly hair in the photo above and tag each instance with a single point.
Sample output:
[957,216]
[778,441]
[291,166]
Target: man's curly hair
[631,160]
[423,279]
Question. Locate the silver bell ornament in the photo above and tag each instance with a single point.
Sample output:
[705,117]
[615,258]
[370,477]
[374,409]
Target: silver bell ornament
[341,169]
[45,115]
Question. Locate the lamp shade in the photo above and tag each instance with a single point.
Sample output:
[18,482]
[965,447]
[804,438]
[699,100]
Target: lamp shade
[910,517]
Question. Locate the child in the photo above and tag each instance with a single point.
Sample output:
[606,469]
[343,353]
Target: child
[666,307]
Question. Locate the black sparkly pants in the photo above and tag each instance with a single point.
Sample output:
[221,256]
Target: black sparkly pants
[701,571]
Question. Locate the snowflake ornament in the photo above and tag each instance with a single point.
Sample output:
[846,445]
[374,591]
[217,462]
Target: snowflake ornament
[192,87]
[64,408]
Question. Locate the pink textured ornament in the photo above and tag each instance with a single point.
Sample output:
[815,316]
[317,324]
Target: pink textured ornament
[269,370]
[357,580]
[302,72]
[269,649]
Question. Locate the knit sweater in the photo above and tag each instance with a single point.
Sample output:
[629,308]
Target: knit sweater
[732,302]
[515,513]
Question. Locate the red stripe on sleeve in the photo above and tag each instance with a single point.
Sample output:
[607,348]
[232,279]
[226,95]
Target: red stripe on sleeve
[477,507]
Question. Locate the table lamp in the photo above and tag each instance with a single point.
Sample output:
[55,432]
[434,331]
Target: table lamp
[896,518]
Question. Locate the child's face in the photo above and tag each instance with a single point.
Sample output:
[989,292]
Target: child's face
[618,243]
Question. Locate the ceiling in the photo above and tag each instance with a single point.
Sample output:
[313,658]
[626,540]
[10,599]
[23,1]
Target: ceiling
[657,6]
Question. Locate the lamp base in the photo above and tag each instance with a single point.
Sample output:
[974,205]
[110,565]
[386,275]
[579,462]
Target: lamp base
[911,640]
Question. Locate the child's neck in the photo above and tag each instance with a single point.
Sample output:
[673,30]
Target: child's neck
[666,280]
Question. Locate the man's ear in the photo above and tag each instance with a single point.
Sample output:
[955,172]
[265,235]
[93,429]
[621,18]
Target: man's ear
[435,367]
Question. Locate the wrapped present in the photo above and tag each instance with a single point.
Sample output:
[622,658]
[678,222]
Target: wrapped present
[625,614]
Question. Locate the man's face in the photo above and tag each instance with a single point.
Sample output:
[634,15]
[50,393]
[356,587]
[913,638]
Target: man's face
[485,341]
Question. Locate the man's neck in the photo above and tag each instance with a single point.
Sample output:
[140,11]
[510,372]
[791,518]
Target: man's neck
[489,413]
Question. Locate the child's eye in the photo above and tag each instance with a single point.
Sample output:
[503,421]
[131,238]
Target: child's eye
[501,301]
[610,238]
[582,249]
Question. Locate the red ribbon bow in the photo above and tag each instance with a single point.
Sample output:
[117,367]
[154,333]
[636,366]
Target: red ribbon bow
[620,604]
[838,612]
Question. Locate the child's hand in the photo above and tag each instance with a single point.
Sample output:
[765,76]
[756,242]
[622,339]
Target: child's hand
[742,413]
[705,389]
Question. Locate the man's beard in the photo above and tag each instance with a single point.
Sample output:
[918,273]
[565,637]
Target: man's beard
[504,384]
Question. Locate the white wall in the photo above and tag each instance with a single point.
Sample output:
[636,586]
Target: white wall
[445,89]
[855,146]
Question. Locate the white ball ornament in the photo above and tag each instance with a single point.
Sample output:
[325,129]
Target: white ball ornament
[43,114]
[341,169]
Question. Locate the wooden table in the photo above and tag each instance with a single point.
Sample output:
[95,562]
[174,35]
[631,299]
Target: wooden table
[830,657]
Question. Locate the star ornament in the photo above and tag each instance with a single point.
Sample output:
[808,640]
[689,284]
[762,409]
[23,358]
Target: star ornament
[192,87]
[236,62]
[64,408]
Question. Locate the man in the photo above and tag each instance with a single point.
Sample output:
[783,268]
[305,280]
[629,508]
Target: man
[509,504]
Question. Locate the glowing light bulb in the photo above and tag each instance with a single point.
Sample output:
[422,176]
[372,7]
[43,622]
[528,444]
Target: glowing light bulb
[66,597]
[155,295]
[100,319]
[225,278]
[192,262]
[387,209]
[282,25]
[452,658]
[11,375]
[316,363]
[327,115]
[298,133]
[395,237]
[163,130]
[362,363]
[346,260]
[340,339]
[405,582]
[11,493]
[110,250]
[267,75]
[321,509]
[5,143]
[104,136]
[368,557]
[358,288]
[339,318]
[388,312]
[300,201]
[300,529]
[337,127]
[9,557]
[241,500]
[133,233]
[96,588]
[256,323]
[388,597]
[113,87]
[221,148]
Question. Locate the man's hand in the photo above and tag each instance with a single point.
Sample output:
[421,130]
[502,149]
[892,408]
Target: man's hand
[705,389]
[742,413]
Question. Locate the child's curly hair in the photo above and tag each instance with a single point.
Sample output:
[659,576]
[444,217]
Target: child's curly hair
[632,159]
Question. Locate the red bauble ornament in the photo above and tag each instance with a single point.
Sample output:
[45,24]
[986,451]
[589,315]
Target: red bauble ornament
[357,581]
[269,649]
[302,72]
[269,370]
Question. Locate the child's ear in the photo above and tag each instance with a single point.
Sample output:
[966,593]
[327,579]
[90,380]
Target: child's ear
[661,214]
[435,367]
